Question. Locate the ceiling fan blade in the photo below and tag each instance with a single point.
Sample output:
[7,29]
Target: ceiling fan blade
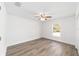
[46,19]
[48,16]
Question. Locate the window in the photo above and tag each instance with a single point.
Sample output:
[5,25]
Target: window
[56,30]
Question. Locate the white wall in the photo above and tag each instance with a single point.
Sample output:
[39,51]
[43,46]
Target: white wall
[77,34]
[21,30]
[2,29]
[67,30]
[77,27]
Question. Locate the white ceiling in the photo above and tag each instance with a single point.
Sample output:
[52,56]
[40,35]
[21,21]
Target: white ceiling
[55,9]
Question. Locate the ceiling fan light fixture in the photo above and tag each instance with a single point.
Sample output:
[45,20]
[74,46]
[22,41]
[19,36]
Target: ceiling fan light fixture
[43,16]
[42,19]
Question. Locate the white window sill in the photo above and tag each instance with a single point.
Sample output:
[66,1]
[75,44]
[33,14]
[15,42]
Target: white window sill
[56,34]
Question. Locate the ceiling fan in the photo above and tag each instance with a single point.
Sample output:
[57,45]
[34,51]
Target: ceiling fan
[43,16]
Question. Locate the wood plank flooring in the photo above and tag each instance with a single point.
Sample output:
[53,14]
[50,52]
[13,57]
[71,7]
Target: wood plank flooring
[42,47]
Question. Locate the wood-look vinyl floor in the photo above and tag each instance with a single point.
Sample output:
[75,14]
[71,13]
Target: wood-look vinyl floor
[42,47]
